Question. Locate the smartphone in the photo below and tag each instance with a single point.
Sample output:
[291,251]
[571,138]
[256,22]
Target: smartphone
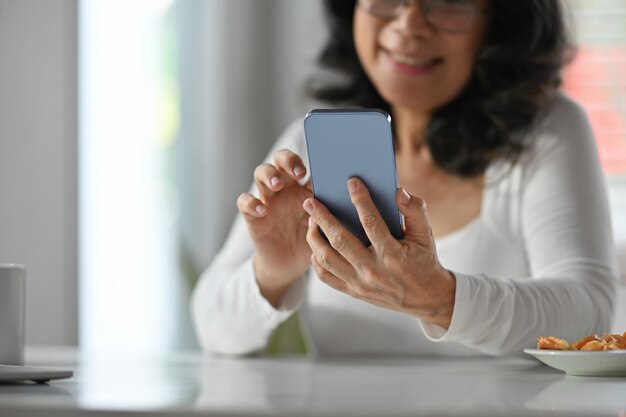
[350,143]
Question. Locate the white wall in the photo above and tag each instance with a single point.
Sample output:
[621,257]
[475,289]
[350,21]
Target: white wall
[38,215]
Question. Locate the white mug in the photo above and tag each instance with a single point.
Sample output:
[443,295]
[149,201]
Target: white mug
[12,312]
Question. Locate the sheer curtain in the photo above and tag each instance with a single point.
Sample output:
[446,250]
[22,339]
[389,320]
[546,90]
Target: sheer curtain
[242,67]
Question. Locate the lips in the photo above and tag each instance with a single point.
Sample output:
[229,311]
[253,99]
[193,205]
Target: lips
[412,60]
[412,64]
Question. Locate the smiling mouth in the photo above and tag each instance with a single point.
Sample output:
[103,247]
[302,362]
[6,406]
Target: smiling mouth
[413,61]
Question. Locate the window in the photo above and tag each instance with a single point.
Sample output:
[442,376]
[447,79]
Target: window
[128,203]
[597,80]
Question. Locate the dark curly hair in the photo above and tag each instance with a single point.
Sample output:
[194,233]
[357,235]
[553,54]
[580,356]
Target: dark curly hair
[517,71]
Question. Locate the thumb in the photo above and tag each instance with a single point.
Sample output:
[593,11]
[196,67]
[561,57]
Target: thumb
[416,226]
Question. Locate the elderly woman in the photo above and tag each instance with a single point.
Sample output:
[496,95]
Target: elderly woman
[507,232]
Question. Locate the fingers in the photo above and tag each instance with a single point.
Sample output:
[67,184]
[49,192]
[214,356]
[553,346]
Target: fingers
[327,257]
[268,181]
[287,169]
[250,206]
[373,223]
[289,163]
[344,242]
[417,227]
[328,277]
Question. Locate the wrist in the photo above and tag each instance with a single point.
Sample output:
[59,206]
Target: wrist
[436,305]
[272,286]
[442,311]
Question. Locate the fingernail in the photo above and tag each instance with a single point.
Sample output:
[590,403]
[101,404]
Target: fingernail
[406,197]
[352,185]
[275,181]
[297,171]
[310,221]
[308,206]
[260,209]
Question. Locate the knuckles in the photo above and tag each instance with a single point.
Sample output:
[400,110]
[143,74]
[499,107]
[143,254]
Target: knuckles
[323,221]
[368,220]
[283,153]
[323,275]
[421,203]
[331,281]
[337,240]
[368,273]
[285,158]
[359,291]
[244,202]
[323,258]
[258,171]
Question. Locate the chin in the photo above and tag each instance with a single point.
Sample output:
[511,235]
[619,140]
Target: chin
[412,100]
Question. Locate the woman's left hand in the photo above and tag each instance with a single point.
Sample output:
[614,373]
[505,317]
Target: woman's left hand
[403,275]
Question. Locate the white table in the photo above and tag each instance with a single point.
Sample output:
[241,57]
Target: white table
[192,384]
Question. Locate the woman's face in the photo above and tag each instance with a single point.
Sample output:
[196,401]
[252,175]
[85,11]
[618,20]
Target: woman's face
[413,64]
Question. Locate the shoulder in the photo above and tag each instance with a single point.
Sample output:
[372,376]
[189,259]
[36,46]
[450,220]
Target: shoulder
[564,114]
[562,129]
[563,120]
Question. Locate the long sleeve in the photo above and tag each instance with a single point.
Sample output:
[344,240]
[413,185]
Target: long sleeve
[565,224]
[229,313]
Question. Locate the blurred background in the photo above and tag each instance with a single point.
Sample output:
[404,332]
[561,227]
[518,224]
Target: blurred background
[128,128]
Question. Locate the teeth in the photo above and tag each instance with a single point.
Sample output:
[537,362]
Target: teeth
[403,59]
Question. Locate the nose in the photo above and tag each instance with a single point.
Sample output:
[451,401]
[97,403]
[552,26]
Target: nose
[412,22]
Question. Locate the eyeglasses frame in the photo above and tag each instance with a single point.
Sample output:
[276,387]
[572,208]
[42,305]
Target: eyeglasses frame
[477,12]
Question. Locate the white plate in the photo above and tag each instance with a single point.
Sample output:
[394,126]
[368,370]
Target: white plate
[598,363]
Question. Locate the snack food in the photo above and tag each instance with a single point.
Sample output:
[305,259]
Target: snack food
[608,341]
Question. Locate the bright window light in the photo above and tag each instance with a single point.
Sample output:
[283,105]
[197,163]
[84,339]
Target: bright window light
[128,210]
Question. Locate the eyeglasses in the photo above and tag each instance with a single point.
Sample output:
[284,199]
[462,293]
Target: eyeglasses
[447,15]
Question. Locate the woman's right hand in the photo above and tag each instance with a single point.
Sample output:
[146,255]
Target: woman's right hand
[278,224]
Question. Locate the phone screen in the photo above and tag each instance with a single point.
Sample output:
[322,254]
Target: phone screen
[353,143]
